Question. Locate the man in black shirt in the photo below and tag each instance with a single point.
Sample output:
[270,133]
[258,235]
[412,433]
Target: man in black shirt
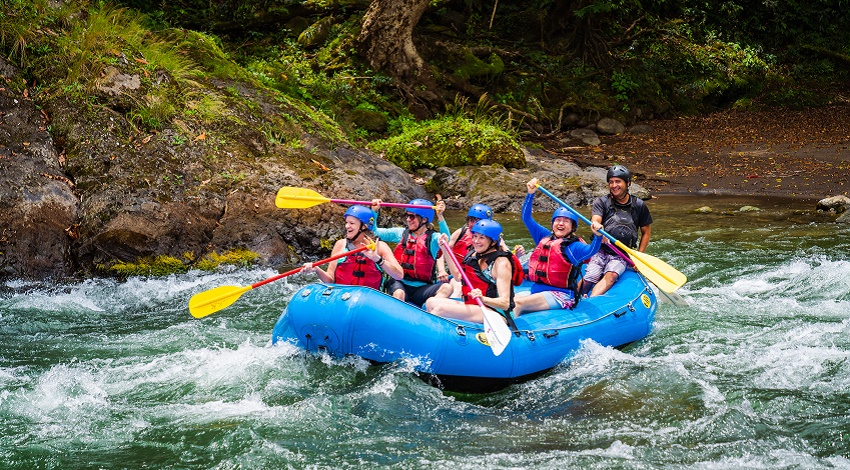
[627,219]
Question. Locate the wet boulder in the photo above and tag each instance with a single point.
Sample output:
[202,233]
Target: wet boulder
[836,204]
[38,207]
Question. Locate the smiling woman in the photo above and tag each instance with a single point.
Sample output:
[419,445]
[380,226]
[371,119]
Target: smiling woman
[555,263]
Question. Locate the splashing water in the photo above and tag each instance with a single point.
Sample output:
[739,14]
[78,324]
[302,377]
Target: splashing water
[752,372]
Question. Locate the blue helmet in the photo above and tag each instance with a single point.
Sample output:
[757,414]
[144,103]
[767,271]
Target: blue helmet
[564,212]
[480,211]
[363,214]
[489,228]
[426,213]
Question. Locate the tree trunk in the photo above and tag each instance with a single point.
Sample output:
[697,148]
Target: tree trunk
[386,41]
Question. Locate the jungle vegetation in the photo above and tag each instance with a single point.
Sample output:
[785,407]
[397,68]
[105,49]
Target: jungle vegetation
[379,68]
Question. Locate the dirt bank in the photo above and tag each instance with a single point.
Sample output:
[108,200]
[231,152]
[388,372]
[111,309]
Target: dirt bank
[791,153]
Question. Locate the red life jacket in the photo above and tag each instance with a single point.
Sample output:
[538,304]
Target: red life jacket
[414,255]
[481,279]
[463,242]
[518,275]
[549,265]
[358,270]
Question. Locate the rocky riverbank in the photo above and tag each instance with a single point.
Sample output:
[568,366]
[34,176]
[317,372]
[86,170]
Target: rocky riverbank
[83,190]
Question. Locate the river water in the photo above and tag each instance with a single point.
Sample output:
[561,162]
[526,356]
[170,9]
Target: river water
[752,373]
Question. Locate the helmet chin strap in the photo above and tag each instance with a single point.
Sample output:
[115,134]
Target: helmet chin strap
[351,240]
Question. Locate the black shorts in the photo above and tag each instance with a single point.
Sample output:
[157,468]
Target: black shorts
[417,295]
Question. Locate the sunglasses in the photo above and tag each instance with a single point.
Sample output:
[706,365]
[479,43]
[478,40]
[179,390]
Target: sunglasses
[410,216]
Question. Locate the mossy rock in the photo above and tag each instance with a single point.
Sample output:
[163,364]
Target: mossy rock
[452,142]
[372,121]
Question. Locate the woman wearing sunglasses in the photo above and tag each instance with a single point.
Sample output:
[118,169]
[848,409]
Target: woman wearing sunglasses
[417,251]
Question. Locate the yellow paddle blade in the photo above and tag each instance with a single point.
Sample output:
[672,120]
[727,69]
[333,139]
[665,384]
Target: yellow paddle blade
[289,197]
[666,277]
[213,300]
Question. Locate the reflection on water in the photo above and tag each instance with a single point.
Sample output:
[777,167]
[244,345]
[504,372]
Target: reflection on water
[753,372]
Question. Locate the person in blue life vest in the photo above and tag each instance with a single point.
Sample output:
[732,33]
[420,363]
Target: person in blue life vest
[490,271]
[417,251]
[366,268]
[555,263]
[624,217]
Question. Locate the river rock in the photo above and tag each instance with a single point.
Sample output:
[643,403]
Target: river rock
[749,209]
[38,208]
[844,218]
[703,210]
[610,126]
[586,135]
[837,204]
[640,129]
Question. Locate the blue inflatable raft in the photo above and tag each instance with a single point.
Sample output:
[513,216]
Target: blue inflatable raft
[453,354]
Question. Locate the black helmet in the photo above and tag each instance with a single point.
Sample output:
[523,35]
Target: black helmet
[619,171]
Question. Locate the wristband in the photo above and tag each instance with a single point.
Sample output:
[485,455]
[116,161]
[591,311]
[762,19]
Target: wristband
[380,261]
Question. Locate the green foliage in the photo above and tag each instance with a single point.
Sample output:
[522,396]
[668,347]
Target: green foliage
[623,86]
[162,265]
[236,257]
[165,265]
[685,54]
[451,141]
[474,67]
[696,74]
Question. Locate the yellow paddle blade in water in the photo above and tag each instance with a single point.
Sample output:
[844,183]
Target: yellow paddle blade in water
[289,197]
[213,300]
[666,277]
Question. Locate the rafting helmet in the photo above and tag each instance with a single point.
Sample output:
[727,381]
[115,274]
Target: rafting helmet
[480,211]
[426,212]
[564,212]
[619,171]
[489,228]
[363,214]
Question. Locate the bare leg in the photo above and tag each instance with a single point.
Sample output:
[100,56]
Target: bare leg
[449,308]
[605,283]
[456,288]
[445,291]
[530,303]
[399,294]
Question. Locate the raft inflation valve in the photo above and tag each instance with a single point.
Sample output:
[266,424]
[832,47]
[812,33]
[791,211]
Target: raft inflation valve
[345,296]
[306,292]
[461,331]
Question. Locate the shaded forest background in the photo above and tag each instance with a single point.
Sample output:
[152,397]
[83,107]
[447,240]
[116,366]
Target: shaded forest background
[542,59]
[536,67]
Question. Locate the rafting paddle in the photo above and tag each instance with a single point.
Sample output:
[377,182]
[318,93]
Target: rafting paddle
[290,197]
[213,300]
[664,276]
[497,332]
[671,297]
